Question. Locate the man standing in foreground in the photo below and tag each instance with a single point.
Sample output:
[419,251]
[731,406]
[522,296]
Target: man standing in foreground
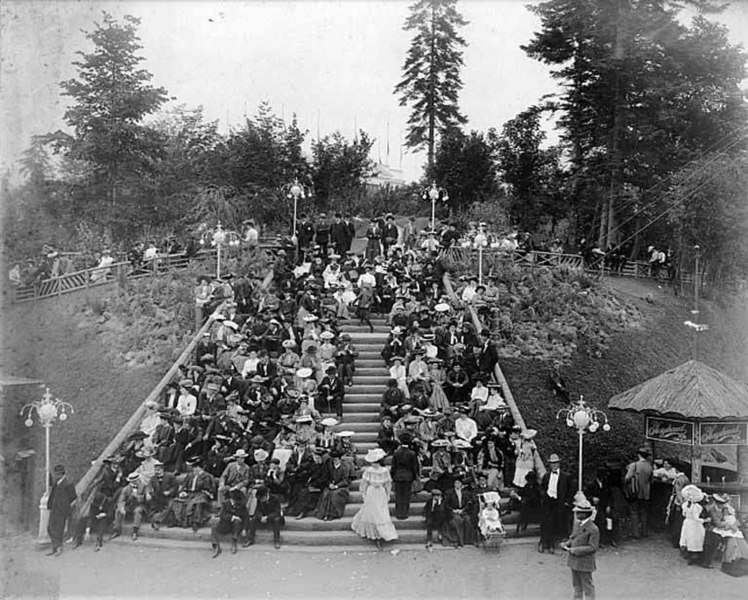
[582,546]
[555,491]
[61,497]
[404,470]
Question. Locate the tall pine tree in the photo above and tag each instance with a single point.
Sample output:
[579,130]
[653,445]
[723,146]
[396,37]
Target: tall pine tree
[112,95]
[431,73]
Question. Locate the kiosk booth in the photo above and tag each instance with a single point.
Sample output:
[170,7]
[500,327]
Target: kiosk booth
[698,416]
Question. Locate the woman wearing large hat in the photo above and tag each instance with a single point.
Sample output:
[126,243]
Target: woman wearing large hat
[373,520]
[692,529]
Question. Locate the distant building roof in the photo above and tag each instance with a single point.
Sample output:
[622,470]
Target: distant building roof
[386,175]
[692,390]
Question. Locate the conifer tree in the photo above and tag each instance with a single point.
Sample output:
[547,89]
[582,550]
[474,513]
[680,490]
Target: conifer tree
[431,74]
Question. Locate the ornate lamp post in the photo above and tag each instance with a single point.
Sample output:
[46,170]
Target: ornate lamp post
[48,409]
[585,419]
[219,237]
[296,191]
[480,241]
[434,193]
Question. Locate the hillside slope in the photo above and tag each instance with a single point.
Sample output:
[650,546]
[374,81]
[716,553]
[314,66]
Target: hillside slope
[662,342]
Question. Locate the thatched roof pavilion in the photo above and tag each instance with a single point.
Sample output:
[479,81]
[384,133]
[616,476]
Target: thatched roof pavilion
[692,391]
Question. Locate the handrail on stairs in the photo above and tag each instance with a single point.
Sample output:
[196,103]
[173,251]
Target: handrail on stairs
[87,483]
[497,372]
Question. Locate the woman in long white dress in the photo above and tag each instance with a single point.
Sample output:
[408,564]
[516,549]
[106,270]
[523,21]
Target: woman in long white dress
[692,530]
[373,520]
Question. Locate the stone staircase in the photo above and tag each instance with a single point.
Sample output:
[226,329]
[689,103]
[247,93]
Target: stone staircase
[361,415]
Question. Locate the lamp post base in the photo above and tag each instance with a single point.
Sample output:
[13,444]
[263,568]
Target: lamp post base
[42,538]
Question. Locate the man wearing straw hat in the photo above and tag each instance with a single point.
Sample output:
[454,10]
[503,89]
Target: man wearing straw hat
[582,546]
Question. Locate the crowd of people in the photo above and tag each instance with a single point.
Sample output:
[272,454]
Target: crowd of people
[254,429]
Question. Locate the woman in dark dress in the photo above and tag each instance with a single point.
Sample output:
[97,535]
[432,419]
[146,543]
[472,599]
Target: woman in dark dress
[334,497]
[309,494]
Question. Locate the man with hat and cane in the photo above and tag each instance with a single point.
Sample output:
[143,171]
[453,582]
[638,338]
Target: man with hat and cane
[582,546]
[132,499]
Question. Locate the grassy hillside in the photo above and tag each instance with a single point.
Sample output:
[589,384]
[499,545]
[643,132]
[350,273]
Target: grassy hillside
[661,342]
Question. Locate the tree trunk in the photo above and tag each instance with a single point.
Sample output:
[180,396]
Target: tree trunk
[432,92]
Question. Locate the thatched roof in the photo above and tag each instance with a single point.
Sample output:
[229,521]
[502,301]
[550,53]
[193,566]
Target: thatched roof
[692,390]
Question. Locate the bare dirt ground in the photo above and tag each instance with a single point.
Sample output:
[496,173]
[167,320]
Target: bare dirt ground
[644,570]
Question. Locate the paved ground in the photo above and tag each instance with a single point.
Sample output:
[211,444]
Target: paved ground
[641,570]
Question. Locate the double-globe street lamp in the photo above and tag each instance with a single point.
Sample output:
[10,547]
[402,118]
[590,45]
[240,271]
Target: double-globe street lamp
[480,241]
[48,410]
[434,193]
[296,192]
[585,419]
[223,236]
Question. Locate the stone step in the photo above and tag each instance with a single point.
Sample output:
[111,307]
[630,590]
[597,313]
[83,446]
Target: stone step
[357,329]
[380,371]
[354,420]
[371,363]
[360,407]
[363,436]
[344,524]
[359,380]
[373,347]
[367,389]
[371,425]
[375,337]
[416,509]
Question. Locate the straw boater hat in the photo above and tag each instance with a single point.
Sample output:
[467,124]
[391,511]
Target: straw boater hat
[345,434]
[396,359]
[529,434]
[461,444]
[583,506]
[440,443]
[303,373]
[289,344]
[329,422]
[721,498]
[304,419]
[260,455]
[327,335]
[240,453]
[375,455]
[133,477]
[441,307]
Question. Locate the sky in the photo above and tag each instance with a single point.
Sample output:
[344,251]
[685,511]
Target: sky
[333,64]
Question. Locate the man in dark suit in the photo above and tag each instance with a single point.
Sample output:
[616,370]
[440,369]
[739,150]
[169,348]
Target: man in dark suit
[582,546]
[332,392]
[60,504]
[435,514]
[460,505]
[339,235]
[162,489]
[390,233]
[351,226]
[556,491]
[268,512]
[489,354]
[231,521]
[404,470]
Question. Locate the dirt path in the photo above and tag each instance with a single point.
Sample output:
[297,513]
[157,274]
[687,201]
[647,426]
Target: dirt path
[647,570]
